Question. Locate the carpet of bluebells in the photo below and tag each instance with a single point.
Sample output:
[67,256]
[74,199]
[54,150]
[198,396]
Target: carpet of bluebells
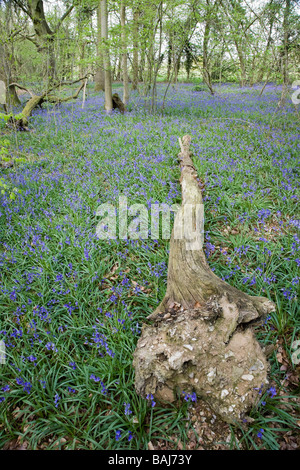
[72,305]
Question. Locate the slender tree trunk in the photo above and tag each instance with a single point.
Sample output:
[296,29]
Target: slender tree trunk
[124,54]
[158,62]
[149,68]
[117,73]
[142,65]
[286,32]
[206,71]
[242,64]
[106,59]
[176,63]
[99,77]
[170,47]
[221,64]
[135,59]
[262,70]
[82,54]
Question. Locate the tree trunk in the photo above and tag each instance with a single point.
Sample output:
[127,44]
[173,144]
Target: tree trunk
[44,33]
[81,58]
[170,55]
[142,64]
[286,38]
[99,77]
[206,71]
[6,70]
[196,343]
[117,70]
[176,58]
[242,64]
[124,54]
[150,64]
[135,59]
[158,60]
[106,59]
[261,72]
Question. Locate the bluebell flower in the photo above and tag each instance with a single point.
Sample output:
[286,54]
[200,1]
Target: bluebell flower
[150,398]
[56,400]
[260,433]
[127,409]
[272,392]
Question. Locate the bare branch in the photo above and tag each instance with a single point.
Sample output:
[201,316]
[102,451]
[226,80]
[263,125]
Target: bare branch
[67,12]
[21,88]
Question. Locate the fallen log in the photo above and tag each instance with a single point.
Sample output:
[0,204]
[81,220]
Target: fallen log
[21,122]
[201,340]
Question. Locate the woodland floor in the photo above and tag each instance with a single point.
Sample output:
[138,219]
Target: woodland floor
[72,305]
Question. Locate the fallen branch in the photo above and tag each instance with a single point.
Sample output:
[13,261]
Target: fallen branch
[21,88]
[21,122]
[58,100]
[201,340]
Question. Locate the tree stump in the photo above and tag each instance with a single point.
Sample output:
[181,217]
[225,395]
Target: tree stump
[201,339]
[118,103]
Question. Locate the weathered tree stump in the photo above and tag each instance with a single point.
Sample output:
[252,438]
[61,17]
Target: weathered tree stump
[201,340]
[118,103]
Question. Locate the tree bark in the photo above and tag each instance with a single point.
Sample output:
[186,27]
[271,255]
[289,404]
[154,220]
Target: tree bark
[106,59]
[124,54]
[199,282]
[6,75]
[158,60]
[206,71]
[99,77]
[170,55]
[286,38]
[44,33]
[135,58]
